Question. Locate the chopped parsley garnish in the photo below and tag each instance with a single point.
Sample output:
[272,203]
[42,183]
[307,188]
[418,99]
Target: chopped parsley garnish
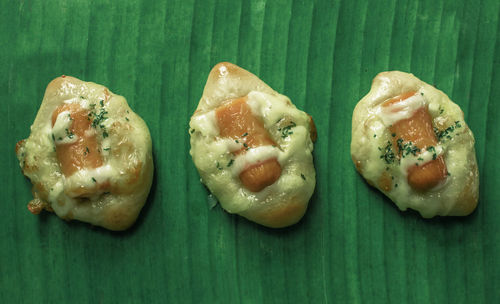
[105,134]
[230,163]
[420,159]
[245,134]
[286,131]
[87,151]
[407,148]
[245,145]
[192,130]
[81,97]
[53,137]
[126,118]
[69,134]
[446,133]
[374,135]
[396,185]
[218,166]
[99,118]
[303,177]
[433,150]
[101,102]
[393,134]
[388,155]
[94,180]
[236,141]
[107,149]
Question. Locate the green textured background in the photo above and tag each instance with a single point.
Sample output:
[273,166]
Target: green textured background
[352,246]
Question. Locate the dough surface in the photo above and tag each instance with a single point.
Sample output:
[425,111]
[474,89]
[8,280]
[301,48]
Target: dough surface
[112,192]
[282,203]
[386,166]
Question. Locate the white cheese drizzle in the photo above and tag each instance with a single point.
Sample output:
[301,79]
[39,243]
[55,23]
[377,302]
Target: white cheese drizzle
[256,155]
[403,109]
[88,178]
[421,159]
[61,129]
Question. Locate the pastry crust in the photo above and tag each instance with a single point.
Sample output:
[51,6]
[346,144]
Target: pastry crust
[119,185]
[282,203]
[458,194]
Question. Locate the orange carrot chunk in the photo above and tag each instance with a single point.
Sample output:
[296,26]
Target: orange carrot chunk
[419,131]
[236,121]
[83,153]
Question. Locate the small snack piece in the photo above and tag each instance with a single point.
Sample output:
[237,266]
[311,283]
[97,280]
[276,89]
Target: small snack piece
[88,155]
[411,142]
[252,148]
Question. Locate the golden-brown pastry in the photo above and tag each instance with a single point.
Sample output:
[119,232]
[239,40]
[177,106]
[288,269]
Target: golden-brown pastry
[252,148]
[411,142]
[88,155]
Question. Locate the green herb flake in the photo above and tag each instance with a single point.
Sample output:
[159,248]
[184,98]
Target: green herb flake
[94,180]
[107,149]
[446,133]
[245,145]
[388,154]
[286,131]
[393,134]
[126,118]
[236,141]
[81,97]
[69,134]
[105,134]
[396,185]
[101,102]
[192,130]
[407,148]
[230,163]
[374,135]
[218,166]
[303,177]
[99,118]
[245,134]
[420,159]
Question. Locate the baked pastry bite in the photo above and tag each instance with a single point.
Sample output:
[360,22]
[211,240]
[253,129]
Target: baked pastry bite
[411,142]
[252,148]
[88,156]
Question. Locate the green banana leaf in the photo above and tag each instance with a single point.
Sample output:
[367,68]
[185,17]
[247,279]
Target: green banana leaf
[352,246]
